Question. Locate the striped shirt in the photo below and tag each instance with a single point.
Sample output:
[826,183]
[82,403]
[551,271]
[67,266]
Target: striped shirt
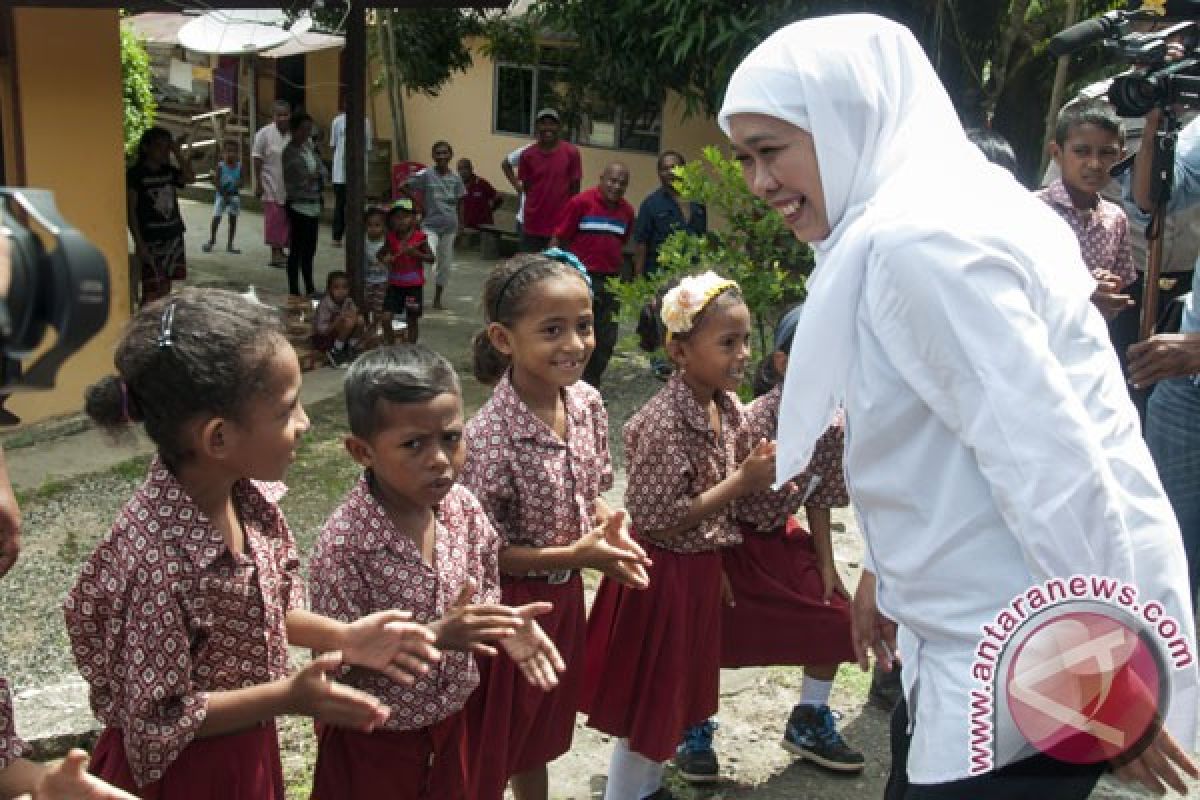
[595,231]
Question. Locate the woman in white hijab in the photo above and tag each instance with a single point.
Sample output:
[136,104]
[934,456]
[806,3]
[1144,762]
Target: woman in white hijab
[991,445]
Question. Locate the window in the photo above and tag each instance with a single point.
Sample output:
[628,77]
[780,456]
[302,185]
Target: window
[521,90]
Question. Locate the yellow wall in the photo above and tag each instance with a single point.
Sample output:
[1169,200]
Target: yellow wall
[83,164]
[462,114]
[321,94]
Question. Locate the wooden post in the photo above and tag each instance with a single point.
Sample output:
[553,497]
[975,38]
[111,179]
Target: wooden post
[355,144]
[1056,92]
[252,123]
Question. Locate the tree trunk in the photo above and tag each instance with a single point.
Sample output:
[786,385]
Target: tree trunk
[387,50]
[1016,22]
[1060,85]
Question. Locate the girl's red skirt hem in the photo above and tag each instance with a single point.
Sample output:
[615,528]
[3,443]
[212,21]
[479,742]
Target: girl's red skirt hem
[652,660]
[424,764]
[513,727]
[239,766]
[779,616]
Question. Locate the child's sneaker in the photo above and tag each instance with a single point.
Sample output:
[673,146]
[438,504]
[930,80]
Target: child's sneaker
[695,758]
[812,734]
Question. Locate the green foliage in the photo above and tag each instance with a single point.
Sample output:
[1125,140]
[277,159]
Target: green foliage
[136,88]
[751,245]
[430,45]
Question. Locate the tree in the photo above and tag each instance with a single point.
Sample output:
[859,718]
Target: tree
[990,54]
[136,89]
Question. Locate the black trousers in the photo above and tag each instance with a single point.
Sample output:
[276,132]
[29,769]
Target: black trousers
[1124,328]
[1037,778]
[304,249]
[339,211]
[532,243]
[604,309]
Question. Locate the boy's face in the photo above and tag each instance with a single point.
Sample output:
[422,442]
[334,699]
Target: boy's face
[339,289]
[231,154]
[376,227]
[1086,156]
[465,170]
[442,156]
[401,221]
[417,452]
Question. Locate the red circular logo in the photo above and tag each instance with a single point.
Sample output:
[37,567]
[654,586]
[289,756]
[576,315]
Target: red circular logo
[1084,687]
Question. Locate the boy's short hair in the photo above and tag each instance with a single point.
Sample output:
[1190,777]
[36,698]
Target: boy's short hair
[374,211]
[403,373]
[1093,112]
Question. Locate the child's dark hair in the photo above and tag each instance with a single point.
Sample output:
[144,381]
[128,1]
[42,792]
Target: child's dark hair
[375,211]
[335,275]
[198,352]
[767,377]
[505,300]
[665,153]
[402,373]
[1094,112]
[442,143]
[995,148]
[149,137]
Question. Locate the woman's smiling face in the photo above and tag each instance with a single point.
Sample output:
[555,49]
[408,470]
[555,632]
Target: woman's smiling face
[779,162]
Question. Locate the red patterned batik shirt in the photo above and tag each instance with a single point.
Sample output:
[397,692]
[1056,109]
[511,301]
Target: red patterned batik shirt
[821,485]
[538,490]
[674,455]
[163,613]
[11,746]
[363,564]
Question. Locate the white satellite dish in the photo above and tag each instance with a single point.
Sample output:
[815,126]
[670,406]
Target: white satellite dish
[240,31]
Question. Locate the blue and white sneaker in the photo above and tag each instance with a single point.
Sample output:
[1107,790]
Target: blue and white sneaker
[812,734]
[695,758]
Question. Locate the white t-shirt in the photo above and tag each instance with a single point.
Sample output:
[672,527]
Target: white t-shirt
[337,140]
[268,148]
[513,159]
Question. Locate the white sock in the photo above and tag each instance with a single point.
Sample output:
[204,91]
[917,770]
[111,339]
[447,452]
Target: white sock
[631,776]
[815,692]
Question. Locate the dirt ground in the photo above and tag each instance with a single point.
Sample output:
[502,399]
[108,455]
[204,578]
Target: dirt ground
[71,503]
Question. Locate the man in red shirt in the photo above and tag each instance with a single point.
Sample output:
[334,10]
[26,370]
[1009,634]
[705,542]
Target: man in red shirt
[548,174]
[481,198]
[595,226]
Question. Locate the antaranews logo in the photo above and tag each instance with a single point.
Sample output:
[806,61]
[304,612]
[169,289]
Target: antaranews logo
[1076,668]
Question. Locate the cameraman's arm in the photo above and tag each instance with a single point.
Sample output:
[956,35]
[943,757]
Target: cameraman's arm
[1185,189]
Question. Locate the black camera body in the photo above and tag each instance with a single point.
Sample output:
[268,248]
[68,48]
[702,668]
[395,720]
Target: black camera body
[58,280]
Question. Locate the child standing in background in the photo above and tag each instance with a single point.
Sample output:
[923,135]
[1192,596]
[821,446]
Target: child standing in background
[688,465]
[180,621]
[537,459]
[407,535]
[227,178]
[408,253]
[375,272]
[785,602]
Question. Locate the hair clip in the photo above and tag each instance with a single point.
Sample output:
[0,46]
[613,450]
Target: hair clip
[570,259]
[164,328]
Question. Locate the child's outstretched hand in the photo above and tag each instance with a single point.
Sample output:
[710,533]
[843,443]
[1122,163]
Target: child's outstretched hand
[757,472]
[69,780]
[532,650]
[610,549]
[469,627]
[312,693]
[388,641]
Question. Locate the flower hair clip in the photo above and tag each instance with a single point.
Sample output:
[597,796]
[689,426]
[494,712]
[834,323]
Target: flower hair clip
[681,305]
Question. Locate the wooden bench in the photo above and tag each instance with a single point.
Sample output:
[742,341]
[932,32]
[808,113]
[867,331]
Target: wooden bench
[497,241]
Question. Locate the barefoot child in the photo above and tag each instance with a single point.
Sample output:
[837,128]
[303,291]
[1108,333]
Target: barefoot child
[375,272]
[687,467]
[227,177]
[537,459]
[786,604]
[181,619]
[409,252]
[408,535]
[337,328]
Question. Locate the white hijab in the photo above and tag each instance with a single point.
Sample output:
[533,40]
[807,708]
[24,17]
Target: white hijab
[889,147]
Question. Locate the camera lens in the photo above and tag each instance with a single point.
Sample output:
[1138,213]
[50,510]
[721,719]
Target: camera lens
[1134,94]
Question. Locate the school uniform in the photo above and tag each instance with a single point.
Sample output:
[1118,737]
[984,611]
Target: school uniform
[162,614]
[652,661]
[11,746]
[774,573]
[539,491]
[362,564]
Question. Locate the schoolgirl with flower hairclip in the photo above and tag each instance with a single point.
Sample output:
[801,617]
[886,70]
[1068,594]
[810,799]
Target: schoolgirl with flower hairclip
[687,459]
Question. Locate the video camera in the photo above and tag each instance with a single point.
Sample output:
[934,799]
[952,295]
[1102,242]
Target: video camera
[58,279]
[1154,80]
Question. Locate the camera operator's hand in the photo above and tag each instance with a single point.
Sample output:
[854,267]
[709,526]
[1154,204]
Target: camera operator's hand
[1162,356]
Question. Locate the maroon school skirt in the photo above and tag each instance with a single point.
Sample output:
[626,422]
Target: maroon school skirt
[425,764]
[512,726]
[238,766]
[652,662]
[778,616]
